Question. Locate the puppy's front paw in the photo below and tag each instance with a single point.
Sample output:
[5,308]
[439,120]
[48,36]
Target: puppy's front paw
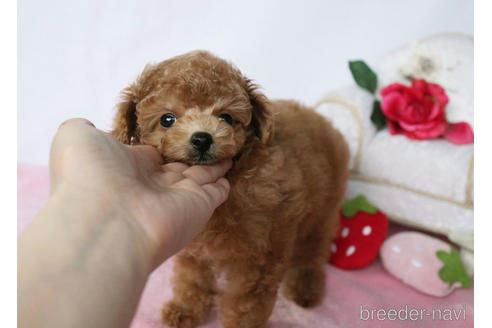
[175,315]
[305,286]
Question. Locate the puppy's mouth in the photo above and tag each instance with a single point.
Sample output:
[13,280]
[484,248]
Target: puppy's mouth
[200,158]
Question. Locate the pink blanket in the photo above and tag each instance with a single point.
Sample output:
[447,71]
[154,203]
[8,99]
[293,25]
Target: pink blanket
[353,297]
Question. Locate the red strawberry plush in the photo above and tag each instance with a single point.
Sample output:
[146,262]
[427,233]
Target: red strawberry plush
[362,232]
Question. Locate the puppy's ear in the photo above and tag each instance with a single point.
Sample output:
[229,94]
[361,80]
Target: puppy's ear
[125,121]
[262,117]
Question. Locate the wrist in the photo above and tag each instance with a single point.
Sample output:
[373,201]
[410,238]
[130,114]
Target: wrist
[74,250]
[106,218]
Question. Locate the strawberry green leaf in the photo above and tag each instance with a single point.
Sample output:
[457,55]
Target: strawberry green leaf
[359,203]
[453,269]
[363,75]
[377,116]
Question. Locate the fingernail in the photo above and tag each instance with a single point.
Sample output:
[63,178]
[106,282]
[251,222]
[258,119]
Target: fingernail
[224,182]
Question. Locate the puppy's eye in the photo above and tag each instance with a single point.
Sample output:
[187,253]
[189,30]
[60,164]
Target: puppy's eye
[167,120]
[226,118]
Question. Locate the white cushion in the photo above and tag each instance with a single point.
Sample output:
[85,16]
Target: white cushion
[426,184]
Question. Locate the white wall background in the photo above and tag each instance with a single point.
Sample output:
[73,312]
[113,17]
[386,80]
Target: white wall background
[75,56]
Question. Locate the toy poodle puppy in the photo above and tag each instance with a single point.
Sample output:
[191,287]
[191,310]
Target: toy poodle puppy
[287,182]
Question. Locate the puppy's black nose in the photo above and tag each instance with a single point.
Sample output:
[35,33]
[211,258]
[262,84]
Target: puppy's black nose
[201,141]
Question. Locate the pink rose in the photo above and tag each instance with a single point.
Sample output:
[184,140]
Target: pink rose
[419,112]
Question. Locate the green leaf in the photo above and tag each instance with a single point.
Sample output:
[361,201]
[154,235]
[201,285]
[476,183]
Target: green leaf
[453,269]
[377,116]
[363,75]
[359,203]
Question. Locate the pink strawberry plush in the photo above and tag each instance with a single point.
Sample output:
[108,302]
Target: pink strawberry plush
[363,230]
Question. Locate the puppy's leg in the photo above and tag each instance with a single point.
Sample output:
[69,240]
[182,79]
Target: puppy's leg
[304,281]
[248,300]
[193,288]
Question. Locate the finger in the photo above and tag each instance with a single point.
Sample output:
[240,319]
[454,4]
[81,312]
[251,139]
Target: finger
[147,153]
[217,191]
[175,167]
[77,120]
[169,178]
[202,174]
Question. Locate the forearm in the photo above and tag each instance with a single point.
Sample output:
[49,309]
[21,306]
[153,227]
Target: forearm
[80,265]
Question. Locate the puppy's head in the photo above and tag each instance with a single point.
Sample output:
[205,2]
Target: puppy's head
[195,108]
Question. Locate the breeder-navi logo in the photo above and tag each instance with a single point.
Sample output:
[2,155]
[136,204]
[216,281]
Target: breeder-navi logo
[413,314]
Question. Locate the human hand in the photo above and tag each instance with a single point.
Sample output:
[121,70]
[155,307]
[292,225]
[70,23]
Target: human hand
[167,204]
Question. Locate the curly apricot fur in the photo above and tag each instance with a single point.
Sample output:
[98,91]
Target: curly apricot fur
[288,179]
